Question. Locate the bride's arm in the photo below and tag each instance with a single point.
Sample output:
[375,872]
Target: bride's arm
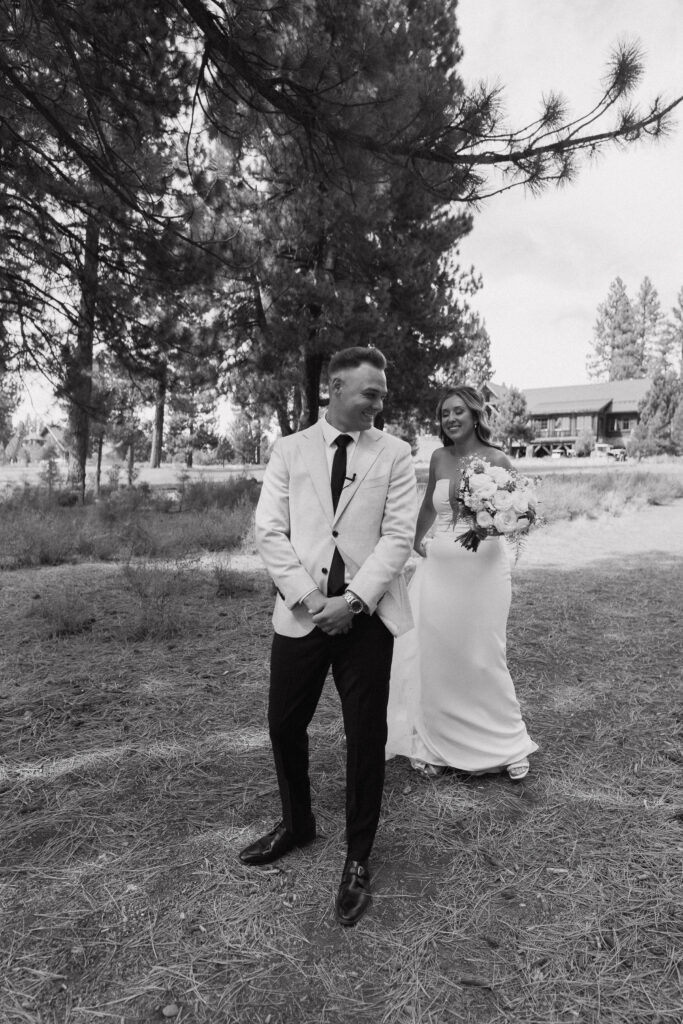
[426,515]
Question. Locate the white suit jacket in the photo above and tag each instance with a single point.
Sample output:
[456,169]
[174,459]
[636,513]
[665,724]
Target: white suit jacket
[296,528]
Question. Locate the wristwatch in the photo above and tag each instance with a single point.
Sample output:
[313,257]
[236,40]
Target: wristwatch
[354,603]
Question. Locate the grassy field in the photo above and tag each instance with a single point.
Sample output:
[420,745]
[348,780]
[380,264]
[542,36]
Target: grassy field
[135,764]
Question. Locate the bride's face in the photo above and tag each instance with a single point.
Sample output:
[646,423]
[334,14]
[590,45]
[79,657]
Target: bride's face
[457,421]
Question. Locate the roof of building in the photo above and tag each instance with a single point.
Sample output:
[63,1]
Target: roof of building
[40,438]
[625,396]
[557,408]
[497,390]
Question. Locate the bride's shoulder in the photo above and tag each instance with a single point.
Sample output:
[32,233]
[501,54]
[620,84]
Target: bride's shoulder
[496,457]
[439,455]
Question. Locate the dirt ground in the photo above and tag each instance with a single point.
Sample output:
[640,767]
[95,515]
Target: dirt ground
[135,764]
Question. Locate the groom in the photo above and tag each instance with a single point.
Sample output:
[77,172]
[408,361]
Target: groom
[334,526]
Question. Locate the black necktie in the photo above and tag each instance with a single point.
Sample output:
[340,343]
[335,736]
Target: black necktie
[335,579]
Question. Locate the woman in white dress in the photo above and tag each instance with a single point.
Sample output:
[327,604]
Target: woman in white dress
[452,701]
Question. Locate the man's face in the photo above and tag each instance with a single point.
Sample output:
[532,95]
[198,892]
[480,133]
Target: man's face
[356,396]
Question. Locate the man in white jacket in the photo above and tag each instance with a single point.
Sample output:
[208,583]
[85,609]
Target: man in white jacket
[334,525]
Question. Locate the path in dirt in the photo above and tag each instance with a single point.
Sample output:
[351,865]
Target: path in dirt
[656,529]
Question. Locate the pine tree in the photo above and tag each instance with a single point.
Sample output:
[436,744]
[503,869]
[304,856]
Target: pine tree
[474,368]
[672,342]
[363,265]
[649,325]
[85,105]
[654,433]
[282,64]
[618,348]
[677,428]
[510,421]
[9,399]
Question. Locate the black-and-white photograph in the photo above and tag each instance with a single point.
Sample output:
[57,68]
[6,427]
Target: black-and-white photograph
[341,512]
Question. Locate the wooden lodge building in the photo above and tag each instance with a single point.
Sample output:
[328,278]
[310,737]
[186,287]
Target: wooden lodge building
[559,415]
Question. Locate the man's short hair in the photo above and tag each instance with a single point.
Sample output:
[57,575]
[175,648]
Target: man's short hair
[350,358]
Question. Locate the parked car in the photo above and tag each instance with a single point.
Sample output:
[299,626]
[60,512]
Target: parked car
[618,454]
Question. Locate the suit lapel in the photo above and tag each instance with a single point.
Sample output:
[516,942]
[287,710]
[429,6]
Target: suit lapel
[313,450]
[367,451]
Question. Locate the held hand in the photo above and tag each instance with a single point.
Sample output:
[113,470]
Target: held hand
[421,549]
[335,617]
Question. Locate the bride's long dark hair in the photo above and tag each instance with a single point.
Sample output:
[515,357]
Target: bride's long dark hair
[474,400]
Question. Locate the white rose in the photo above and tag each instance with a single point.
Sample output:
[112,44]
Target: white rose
[500,475]
[484,519]
[502,500]
[506,522]
[520,502]
[482,486]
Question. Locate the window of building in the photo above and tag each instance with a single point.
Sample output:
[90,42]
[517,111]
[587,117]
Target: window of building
[620,424]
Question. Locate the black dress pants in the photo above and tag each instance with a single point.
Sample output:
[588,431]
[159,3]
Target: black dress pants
[361,665]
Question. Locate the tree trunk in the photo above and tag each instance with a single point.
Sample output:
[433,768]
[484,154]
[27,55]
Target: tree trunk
[189,454]
[258,438]
[98,469]
[131,462]
[158,431]
[283,419]
[79,371]
[313,365]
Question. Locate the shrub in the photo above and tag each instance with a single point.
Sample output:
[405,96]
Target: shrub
[158,610]
[66,611]
[36,530]
[199,495]
[584,444]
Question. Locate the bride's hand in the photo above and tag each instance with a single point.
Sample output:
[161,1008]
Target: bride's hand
[421,549]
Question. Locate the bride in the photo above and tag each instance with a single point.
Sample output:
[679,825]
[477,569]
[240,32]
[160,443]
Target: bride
[452,701]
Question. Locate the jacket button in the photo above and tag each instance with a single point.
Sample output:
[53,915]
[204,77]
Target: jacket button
[335,533]
[324,572]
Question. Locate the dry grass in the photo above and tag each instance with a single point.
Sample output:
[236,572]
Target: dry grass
[136,763]
[36,530]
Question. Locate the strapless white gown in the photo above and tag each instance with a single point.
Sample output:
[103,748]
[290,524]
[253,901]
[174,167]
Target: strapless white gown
[452,700]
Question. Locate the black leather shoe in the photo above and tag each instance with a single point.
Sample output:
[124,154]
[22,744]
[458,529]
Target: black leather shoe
[353,898]
[275,844]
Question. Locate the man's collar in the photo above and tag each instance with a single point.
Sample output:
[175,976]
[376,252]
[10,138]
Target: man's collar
[330,433]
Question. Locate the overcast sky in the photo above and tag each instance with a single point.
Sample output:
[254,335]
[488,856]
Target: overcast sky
[548,262]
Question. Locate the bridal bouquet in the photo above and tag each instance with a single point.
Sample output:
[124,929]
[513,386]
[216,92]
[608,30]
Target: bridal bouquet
[501,501]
